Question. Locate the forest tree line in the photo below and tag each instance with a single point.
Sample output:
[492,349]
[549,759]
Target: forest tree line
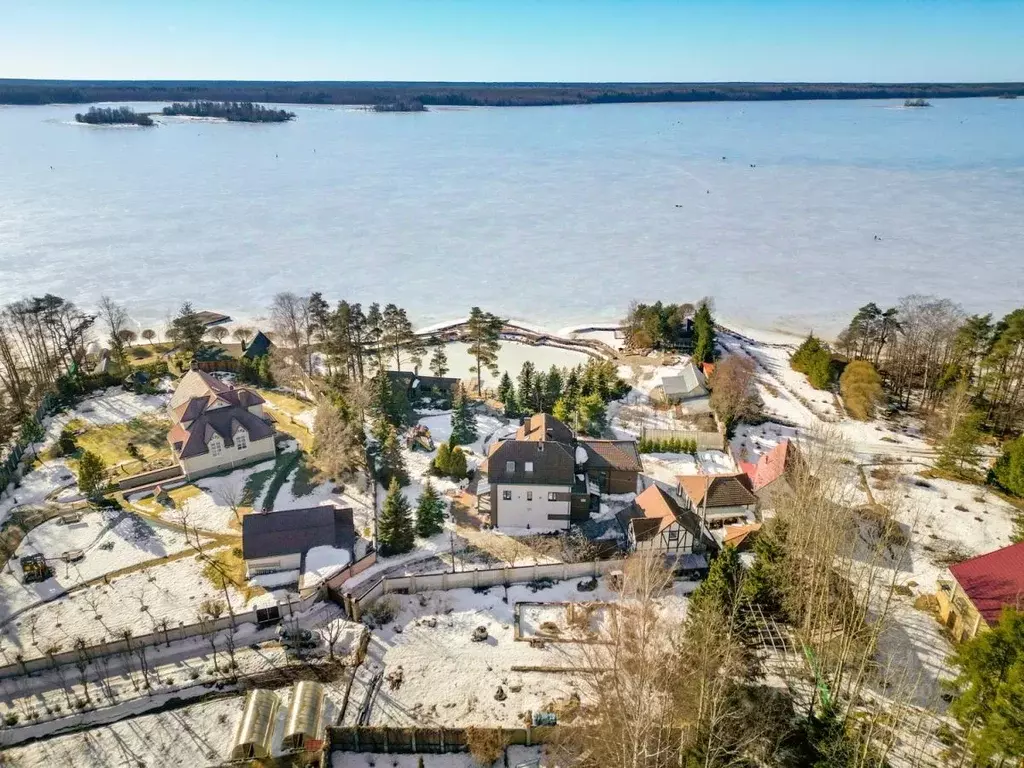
[475,94]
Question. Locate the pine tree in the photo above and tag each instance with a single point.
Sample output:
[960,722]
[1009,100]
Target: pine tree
[960,453]
[187,330]
[1009,469]
[591,414]
[483,332]
[814,358]
[704,334]
[443,460]
[552,389]
[387,401]
[31,432]
[721,589]
[524,386]
[429,512]
[395,528]
[463,420]
[439,359]
[391,462]
[563,411]
[507,394]
[90,474]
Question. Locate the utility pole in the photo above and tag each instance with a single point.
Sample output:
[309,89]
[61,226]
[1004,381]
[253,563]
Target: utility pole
[451,540]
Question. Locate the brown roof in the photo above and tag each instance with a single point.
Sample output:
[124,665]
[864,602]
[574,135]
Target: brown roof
[219,410]
[721,490]
[740,536]
[612,454]
[654,510]
[196,383]
[553,463]
[543,426]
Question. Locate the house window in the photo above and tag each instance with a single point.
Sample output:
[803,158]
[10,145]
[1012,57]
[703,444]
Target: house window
[506,495]
[673,535]
[529,466]
[552,496]
[241,440]
[529,495]
[216,446]
[510,466]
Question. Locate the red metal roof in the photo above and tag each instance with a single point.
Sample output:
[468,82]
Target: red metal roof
[771,465]
[993,581]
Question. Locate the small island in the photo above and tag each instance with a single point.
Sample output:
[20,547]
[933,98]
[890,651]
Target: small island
[232,111]
[916,103]
[399,105]
[1007,96]
[113,116]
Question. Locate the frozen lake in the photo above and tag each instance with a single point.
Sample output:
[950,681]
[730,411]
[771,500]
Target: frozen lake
[556,215]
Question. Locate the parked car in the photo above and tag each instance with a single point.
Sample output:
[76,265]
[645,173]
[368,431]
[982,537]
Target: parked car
[295,636]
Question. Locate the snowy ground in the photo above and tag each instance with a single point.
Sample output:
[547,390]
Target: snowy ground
[111,406]
[511,357]
[111,540]
[173,590]
[665,467]
[450,680]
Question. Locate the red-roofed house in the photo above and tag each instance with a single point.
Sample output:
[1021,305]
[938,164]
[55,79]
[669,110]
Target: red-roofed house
[216,426]
[768,475]
[977,590]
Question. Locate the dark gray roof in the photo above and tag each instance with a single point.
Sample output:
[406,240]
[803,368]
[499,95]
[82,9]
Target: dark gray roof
[291,531]
[259,346]
[689,383]
[553,463]
[225,420]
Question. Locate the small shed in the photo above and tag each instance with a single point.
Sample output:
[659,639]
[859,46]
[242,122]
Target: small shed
[255,730]
[304,723]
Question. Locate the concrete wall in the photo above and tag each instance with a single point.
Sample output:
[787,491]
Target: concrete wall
[148,478]
[259,565]
[230,457]
[174,633]
[521,511]
[485,577]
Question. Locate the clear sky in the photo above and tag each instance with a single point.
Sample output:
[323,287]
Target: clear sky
[502,40]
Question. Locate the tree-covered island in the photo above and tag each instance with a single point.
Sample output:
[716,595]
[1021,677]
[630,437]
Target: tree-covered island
[232,111]
[113,116]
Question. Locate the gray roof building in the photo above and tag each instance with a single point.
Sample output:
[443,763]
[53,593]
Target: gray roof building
[295,531]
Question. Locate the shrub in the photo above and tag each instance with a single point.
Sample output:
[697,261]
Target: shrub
[861,388]
[382,611]
[486,745]
[814,358]
[1008,471]
[66,444]
[11,718]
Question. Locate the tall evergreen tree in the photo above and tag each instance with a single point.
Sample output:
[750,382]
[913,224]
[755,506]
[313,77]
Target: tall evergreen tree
[507,394]
[1009,469]
[429,512]
[438,359]
[704,334]
[398,336]
[373,336]
[388,401]
[187,330]
[483,332]
[524,387]
[463,420]
[960,453]
[457,468]
[443,459]
[552,389]
[395,528]
[391,463]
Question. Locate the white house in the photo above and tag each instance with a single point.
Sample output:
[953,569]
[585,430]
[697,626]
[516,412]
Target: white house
[217,426]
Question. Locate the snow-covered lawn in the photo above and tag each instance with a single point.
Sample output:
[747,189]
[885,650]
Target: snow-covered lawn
[37,485]
[511,357]
[322,563]
[171,590]
[111,540]
[449,679]
[111,406]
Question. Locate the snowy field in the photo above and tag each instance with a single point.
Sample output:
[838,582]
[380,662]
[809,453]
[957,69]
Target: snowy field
[448,679]
[511,357]
[136,601]
[111,540]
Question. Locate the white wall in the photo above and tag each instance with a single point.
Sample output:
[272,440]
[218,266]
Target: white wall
[280,563]
[518,512]
[204,464]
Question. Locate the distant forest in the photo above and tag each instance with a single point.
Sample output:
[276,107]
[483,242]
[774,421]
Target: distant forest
[474,94]
[113,116]
[232,111]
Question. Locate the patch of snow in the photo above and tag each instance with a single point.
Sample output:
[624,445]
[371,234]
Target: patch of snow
[322,563]
[275,580]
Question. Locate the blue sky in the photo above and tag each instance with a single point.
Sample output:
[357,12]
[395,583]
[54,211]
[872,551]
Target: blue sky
[489,40]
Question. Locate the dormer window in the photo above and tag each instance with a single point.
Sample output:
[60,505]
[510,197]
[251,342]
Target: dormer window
[216,446]
[529,466]
[540,447]
[241,440]
[510,466]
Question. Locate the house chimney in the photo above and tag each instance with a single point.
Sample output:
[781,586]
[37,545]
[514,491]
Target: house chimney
[194,365]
